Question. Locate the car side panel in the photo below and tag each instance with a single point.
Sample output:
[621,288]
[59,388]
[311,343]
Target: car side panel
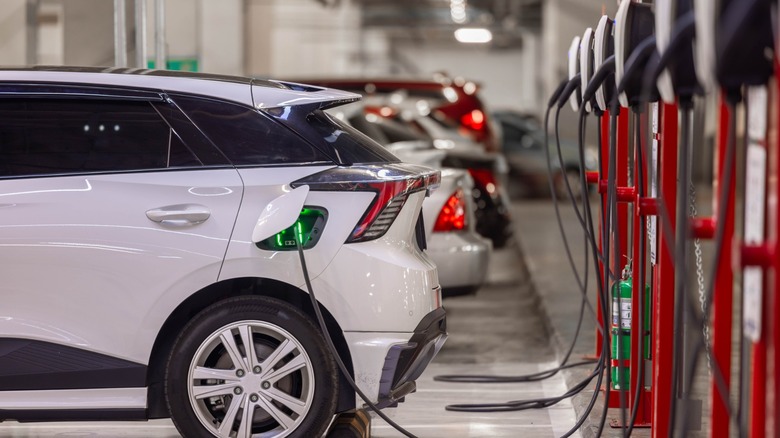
[84,266]
[245,259]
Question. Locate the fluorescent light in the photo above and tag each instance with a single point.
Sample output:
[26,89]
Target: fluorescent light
[473,35]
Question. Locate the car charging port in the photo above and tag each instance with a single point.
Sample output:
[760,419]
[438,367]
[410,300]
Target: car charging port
[307,229]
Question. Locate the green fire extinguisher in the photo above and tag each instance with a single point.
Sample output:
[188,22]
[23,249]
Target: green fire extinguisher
[621,336]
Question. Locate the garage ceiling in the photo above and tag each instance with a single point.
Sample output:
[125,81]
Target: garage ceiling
[431,21]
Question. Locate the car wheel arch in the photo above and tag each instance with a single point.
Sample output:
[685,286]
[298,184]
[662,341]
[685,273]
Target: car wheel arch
[234,287]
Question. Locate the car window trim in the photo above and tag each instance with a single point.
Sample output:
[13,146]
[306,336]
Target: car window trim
[79,91]
[117,172]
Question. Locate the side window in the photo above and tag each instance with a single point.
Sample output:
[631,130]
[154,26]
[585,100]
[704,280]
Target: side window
[56,136]
[247,137]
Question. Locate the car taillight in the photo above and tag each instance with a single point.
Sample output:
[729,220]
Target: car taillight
[392,183]
[452,216]
[474,120]
[486,179]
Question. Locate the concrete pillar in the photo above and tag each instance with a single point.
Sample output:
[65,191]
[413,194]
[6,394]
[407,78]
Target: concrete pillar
[222,36]
[13,32]
[259,37]
[88,32]
[299,38]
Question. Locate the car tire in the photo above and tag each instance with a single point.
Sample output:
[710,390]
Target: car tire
[291,387]
[573,175]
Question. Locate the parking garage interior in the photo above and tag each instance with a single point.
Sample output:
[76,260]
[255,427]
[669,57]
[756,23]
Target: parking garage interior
[588,189]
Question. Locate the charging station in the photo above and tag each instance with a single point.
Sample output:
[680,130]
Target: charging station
[666,56]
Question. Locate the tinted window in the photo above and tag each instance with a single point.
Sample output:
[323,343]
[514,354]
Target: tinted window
[247,137]
[512,133]
[398,132]
[54,136]
[349,145]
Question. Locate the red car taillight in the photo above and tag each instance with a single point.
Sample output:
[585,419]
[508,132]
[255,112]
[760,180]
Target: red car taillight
[452,216]
[474,120]
[392,183]
[486,179]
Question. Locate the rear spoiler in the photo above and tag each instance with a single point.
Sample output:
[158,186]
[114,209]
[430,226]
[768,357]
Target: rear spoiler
[309,96]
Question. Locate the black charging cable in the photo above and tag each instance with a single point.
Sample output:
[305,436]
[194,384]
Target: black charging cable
[567,87]
[334,350]
[541,375]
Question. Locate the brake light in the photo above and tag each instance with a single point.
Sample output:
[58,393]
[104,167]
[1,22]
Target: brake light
[452,216]
[392,183]
[486,179]
[474,120]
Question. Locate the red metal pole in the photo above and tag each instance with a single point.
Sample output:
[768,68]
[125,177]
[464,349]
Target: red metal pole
[605,163]
[643,417]
[755,233]
[663,284]
[621,173]
[773,283]
[723,294]
[622,160]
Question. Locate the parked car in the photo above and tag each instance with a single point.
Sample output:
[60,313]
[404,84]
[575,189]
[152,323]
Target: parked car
[488,169]
[525,151]
[457,99]
[459,252]
[150,266]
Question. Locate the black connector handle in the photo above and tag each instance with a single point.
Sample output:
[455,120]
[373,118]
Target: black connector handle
[571,86]
[606,68]
[684,31]
[636,62]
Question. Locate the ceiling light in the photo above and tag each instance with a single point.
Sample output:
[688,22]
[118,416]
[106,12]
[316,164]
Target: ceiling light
[473,35]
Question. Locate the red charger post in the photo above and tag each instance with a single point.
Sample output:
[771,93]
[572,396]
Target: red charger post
[773,283]
[643,416]
[722,309]
[757,252]
[625,194]
[662,337]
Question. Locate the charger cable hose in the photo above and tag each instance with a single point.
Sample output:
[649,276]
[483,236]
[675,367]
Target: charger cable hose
[599,369]
[532,403]
[334,351]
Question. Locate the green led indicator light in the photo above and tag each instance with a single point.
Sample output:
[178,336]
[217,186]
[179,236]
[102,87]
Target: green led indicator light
[307,230]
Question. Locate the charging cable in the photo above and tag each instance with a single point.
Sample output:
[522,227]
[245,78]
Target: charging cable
[332,347]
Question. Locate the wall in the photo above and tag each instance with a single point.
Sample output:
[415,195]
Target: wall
[13,36]
[300,38]
[563,20]
[508,77]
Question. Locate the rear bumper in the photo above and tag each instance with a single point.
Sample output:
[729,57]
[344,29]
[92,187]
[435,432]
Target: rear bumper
[387,364]
[461,258]
[404,363]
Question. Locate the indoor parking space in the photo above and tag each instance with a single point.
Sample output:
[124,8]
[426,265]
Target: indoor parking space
[389,218]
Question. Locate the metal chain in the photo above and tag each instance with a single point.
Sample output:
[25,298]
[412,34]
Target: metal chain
[700,281]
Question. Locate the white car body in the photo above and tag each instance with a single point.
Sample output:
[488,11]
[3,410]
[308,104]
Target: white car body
[89,273]
[461,257]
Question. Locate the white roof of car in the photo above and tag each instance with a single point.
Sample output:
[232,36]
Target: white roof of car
[259,93]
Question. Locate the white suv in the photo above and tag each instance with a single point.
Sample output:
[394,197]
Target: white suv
[148,229]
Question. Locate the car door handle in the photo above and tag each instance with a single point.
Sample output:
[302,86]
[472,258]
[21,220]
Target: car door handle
[179,215]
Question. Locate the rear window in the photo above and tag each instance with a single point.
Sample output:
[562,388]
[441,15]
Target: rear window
[247,137]
[349,145]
